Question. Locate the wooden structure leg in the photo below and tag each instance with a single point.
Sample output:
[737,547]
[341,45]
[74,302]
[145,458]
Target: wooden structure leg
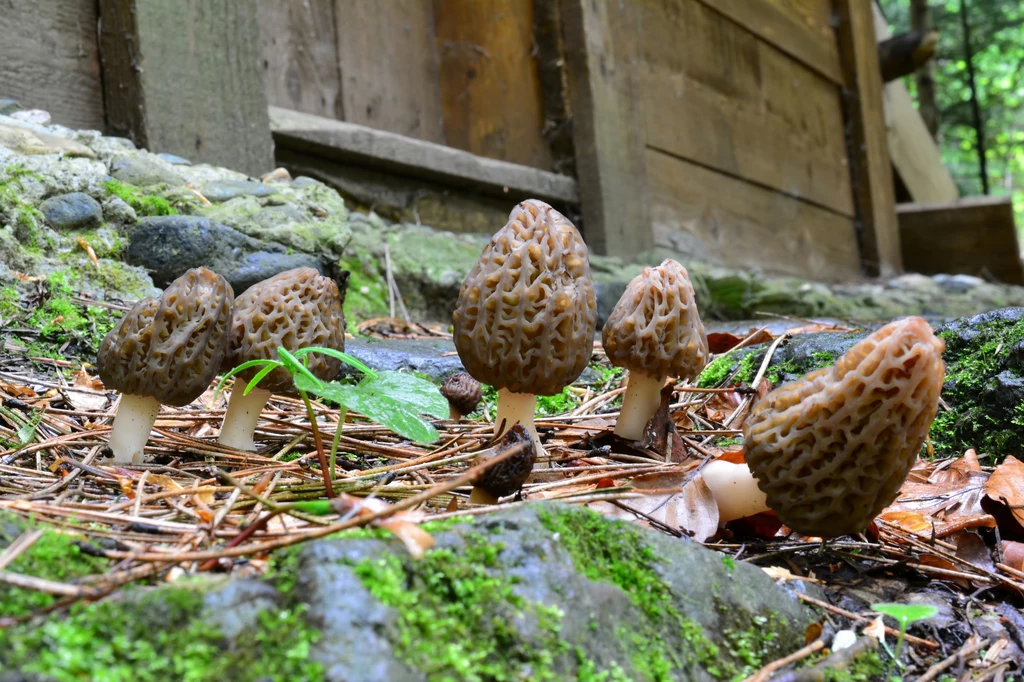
[190,79]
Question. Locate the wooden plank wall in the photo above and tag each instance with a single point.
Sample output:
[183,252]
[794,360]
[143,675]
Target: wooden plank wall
[455,72]
[746,159]
[49,59]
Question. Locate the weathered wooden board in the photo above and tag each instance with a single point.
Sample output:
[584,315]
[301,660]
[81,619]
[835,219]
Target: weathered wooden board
[710,216]
[715,94]
[490,86]
[189,79]
[874,193]
[388,59]
[974,236]
[603,49]
[800,28]
[49,59]
[300,52]
[378,149]
[914,153]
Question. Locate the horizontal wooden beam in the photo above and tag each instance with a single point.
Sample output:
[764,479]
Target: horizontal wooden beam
[973,236]
[381,150]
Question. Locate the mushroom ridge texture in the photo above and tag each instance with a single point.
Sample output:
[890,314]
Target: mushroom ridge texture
[170,347]
[295,309]
[463,394]
[832,449]
[527,311]
[655,327]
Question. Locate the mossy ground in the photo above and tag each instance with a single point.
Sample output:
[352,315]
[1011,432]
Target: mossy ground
[144,204]
[158,635]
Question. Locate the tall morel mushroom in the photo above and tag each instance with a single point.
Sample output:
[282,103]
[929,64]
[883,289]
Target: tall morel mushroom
[655,332]
[527,312]
[506,477]
[295,309]
[165,350]
[831,450]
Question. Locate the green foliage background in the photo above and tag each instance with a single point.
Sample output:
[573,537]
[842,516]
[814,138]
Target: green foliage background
[997,39]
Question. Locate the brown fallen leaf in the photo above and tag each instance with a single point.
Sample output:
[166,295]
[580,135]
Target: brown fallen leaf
[1006,486]
[670,499]
[723,342]
[416,540]
[87,247]
[1013,554]
[82,380]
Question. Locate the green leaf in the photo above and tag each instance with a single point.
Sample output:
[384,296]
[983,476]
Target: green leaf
[402,418]
[295,367]
[258,378]
[243,366]
[905,614]
[27,433]
[419,394]
[314,507]
[344,357]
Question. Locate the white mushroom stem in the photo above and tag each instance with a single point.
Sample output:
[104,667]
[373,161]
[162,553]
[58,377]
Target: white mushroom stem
[640,402]
[519,407]
[242,415]
[735,490]
[132,424]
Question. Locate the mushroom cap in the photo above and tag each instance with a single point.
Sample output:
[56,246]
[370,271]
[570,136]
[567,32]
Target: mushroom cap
[462,391]
[832,449]
[655,328]
[294,309]
[527,311]
[509,476]
[170,347]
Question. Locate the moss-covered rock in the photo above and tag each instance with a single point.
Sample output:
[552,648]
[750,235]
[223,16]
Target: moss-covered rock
[541,592]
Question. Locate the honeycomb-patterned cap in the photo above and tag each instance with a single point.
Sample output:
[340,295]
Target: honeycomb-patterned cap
[462,392]
[527,312]
[295,309]
[170,347]
[508,477]
[655,328]
[831,450]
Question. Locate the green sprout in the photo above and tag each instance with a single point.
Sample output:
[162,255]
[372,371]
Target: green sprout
[393,399]
[905,614]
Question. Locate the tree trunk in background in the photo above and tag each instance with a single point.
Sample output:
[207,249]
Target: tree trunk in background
[979,126]
[921,20]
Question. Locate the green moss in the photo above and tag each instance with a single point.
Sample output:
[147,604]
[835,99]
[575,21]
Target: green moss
[160,635]
[367,294]
[461,619]
[716,372]
[59,319]
[560,403]
[144,205]
[864,668]
[9,307]
[973,361]
[54,556]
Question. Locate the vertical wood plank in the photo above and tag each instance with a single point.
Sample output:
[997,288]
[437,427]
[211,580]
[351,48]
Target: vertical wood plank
[602,41]
[300,53]
[388,59]
[186,77]
[870,166]
[490,86]
[49,59]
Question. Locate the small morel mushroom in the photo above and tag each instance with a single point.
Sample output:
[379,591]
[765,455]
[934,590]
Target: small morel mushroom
[506,477]
[295,309]
[655,332]
[527,312]
[463,394]
[832,449]
[164,350]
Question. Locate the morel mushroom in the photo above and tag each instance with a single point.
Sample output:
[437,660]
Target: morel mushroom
[164,350]
[832,449]
[527,312]
[506,477]
[295,309]
[655,332]
[463,394]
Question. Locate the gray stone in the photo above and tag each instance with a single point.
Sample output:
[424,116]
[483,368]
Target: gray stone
[170,245]
[426,356]
[174,160]
[236,606]
[116,210]
[75,211]
[143,169]
[230,189]
[958,282]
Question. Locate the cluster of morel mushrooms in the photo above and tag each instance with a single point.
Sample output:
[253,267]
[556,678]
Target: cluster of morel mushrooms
[826,453]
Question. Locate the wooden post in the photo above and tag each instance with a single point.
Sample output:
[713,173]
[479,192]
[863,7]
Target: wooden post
[870,166]
[608,126]
[186,77]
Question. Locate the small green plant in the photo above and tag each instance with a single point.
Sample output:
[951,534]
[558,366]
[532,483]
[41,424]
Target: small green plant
[393,399]
[905,614]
